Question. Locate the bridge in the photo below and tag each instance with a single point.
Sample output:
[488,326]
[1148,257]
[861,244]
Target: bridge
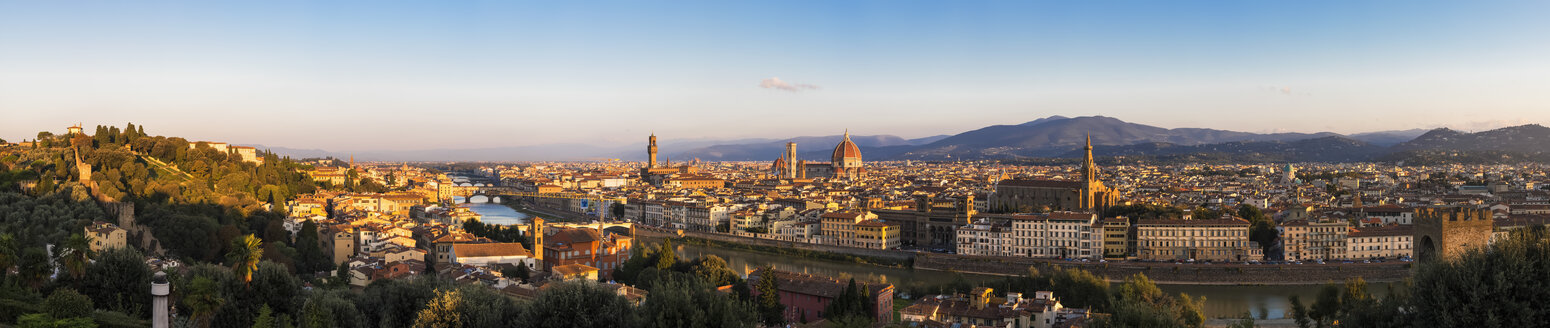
[495,194]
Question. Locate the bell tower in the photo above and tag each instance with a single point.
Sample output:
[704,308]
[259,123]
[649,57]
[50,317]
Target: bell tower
[651,151]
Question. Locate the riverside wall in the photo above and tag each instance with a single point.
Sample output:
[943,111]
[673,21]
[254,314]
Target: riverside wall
[1162,272]
[655,233]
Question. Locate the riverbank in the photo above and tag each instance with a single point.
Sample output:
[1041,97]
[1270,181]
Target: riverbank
[1162,272]
[1177,274]
[827,256]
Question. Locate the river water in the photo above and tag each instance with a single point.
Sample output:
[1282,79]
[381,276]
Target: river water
[1267,301]
[492,213]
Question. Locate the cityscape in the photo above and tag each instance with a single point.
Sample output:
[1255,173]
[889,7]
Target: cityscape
[525,165]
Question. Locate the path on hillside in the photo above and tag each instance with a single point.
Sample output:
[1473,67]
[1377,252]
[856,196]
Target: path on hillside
[164,166]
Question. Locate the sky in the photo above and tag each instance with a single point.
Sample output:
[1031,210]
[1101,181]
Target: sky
[374,75]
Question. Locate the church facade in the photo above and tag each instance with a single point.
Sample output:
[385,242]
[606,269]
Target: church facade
[1029,195]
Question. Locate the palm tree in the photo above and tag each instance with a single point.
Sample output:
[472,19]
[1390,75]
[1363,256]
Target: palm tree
[8,254]
[203,299]
[245,253]
[76,253]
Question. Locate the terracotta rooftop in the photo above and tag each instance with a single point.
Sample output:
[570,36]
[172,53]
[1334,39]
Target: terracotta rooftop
[490,249]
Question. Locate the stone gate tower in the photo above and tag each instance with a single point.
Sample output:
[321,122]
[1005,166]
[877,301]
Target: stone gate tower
[1447,232]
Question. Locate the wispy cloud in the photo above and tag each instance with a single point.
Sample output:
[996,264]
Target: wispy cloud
[1284,90]
[777,83]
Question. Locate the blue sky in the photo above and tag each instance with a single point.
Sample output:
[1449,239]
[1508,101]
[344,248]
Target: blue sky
[376,75]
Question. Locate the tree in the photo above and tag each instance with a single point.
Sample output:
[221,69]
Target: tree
[666,256]
[265,318]
[8,254]
[309,250]
[1501,285]
[579,303]
[203,298]
[1139,303]
[75,254]
[683,300]
[244,255]
[771,312]
[274,287]
[852,302]
[1300,313]
[441,312]
[713,269]
[34,267]
[66,303]
[521,273]
[117,281]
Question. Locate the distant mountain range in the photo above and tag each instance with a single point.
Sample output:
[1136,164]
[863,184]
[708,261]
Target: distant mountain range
[1051,137]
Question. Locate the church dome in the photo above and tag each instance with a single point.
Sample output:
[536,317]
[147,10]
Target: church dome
[846,150]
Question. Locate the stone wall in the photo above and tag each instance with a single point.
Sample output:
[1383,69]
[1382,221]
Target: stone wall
[653,233]
[1162,272]
[1449,232]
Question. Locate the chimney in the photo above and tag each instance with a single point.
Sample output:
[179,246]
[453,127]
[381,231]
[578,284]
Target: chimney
[159,291]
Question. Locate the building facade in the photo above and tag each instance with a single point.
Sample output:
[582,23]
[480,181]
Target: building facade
[1086,195]
[1217,240]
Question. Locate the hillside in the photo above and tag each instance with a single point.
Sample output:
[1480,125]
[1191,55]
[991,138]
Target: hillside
[1324,149]
[1057,135]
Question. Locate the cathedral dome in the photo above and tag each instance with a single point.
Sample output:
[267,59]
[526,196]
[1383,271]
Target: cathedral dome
[846,150]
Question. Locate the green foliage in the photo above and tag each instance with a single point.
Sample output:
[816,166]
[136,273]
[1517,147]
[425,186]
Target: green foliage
[244,255]
[204,298]
[394,303]
[768,300]
[852,302]
[1144,211]
[714,271]
[51,219]
[41,320]
[1139,303]
[67,303]
[682,300]
[666,256]
[578,303]
[498,233]
[309,250]
[273,287]
[1075,287]
[325,309]
[33,267]
[441,311]
[1502,285]
[265,318]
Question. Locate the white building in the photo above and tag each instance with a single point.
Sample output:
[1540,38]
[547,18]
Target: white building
[1056,235]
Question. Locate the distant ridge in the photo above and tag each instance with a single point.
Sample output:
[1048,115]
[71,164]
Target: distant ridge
[1049,137]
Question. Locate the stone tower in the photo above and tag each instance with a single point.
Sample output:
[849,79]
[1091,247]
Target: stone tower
[791,160]
[1445,233]
[538,240]
[651,151]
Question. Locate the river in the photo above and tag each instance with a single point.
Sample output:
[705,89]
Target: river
[1268,301]
[492,213]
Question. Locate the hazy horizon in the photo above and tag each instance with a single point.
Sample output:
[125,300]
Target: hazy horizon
[361,76]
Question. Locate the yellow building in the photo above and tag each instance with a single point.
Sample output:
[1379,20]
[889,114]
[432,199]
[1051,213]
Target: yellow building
[105,236]
[877,234]
[1219,240]
[839,228]
[1116,237]
[1317,240]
